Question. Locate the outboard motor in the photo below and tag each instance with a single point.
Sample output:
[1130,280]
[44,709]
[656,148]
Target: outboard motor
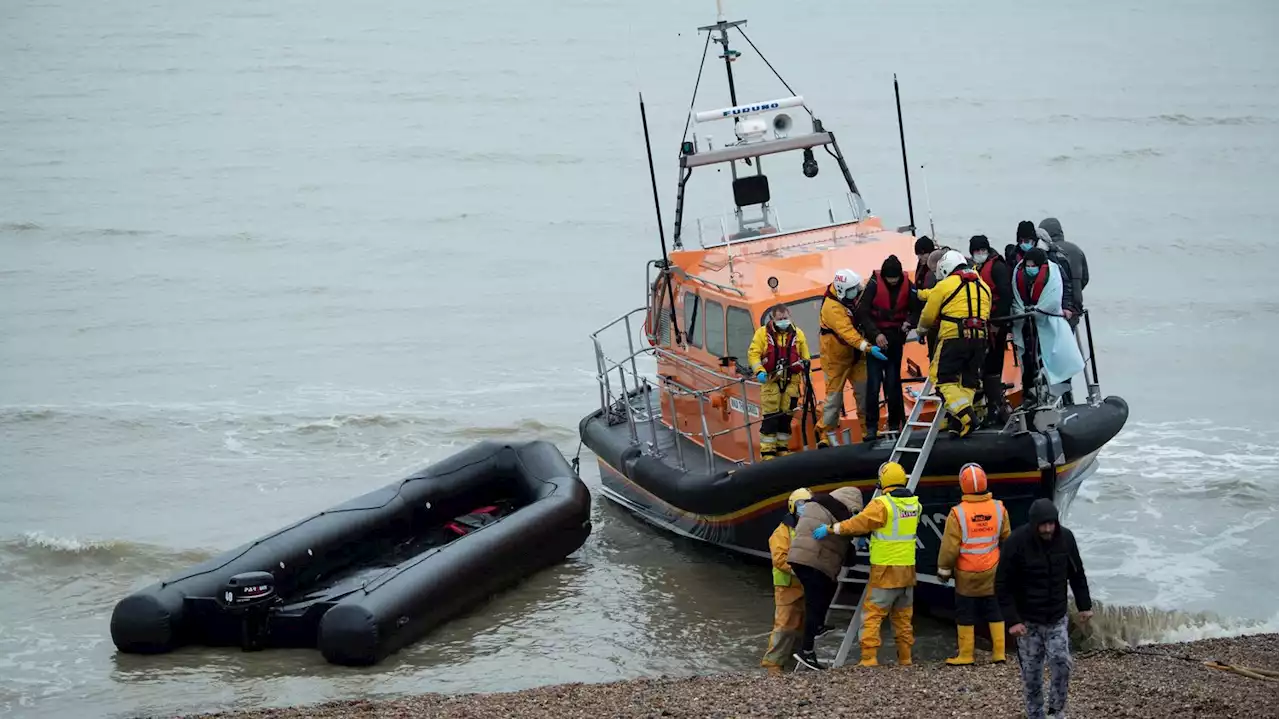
[250,596]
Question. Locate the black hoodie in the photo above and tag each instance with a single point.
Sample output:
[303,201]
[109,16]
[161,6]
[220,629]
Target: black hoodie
[1033,574]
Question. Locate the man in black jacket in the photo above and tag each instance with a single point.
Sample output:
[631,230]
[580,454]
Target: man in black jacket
[994,271]
[1037,562]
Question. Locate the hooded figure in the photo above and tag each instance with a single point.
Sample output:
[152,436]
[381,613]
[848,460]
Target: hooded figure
[1038,288]
[1037,563]
[816,561]
[994,271]
[1077,263]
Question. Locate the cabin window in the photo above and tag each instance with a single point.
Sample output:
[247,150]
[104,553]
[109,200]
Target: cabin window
[741,330]
[804,314]
[715,327]
[692,328]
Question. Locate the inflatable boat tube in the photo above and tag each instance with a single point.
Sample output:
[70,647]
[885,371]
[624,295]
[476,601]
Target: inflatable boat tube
[365,578]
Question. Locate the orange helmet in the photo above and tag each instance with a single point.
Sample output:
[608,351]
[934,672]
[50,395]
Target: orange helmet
[973,478]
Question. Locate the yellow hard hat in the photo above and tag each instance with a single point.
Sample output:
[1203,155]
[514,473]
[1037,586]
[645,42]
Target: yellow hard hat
[800,495]
[892,475]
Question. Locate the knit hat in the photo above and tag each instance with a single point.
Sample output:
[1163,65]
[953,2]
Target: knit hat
[1036,256]
[924,244]
[892,267]
[1027,230]
[979,242]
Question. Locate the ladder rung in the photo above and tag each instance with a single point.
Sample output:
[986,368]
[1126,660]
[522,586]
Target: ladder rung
[920,424]
[917,450]
[846,607]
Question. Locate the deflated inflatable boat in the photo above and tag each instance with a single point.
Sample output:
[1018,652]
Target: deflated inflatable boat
[367,577]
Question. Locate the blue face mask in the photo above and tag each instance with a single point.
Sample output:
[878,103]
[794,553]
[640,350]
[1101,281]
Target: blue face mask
[1032,271]
[782,324]
[1026,246]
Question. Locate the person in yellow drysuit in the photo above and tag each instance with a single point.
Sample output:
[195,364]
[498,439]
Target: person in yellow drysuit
[891,520]
[959,305]
[788,593]
[778,356]
[842,347]
[971,551]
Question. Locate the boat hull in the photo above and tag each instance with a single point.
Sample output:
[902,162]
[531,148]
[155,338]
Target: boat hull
[737,508]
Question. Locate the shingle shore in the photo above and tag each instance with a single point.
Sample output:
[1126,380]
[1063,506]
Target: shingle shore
[1151,681]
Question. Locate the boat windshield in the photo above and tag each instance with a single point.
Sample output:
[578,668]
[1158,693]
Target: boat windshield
[757,221]
[741,327]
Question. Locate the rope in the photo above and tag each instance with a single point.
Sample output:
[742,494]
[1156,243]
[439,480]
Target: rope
[689,117]
[766,62]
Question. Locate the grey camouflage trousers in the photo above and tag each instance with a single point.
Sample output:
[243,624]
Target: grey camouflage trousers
[1043,640]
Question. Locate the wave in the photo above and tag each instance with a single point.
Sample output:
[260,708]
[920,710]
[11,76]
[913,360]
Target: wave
[43,549]
[1167,119]
[19,227]
[1142,153]
[1130,626]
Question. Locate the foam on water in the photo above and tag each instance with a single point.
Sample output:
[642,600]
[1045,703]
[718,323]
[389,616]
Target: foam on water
[1115,626]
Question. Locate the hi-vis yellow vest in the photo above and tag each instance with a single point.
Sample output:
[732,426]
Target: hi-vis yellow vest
[894,544]
[781,578]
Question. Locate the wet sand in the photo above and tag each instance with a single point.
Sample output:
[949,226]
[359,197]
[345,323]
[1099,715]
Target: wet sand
[1168,680]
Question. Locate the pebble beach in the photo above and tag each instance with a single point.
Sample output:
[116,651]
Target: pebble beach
[1159,680]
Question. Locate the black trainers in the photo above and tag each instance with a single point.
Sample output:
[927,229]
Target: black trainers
[826,629]
[808,660]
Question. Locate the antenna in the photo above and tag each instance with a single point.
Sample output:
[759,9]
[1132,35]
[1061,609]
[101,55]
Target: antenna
[662,235]
[932,232]
[906,174]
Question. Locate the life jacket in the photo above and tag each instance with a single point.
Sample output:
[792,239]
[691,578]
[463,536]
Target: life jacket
[1031,295]
[889,307]
[987,273]
[980,525]
[780,357]
[482,517]
[972,325]
[894,544]
[781,578]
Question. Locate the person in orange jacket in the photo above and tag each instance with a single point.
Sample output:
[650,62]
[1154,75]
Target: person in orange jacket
[891,520]
[788,593]
[842,350]
[971,551]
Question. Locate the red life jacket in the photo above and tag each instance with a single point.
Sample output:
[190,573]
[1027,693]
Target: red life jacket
[1032,296]
[889,307]
[785,356]
[986,272]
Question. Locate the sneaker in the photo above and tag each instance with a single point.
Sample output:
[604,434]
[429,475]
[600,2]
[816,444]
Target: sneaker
[808,660]
[826,629]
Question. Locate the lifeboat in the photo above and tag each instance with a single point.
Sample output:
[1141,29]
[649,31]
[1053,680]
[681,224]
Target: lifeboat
[376,573]
[677,427]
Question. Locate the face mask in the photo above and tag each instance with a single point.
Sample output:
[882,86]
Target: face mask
[782,324]
[1032,271]
[1026,246]
[980,257]
[892,281]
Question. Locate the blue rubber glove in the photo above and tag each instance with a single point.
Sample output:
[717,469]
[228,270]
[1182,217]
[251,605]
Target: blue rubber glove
[863,544]
[821,531]
[761,377]
[878,354]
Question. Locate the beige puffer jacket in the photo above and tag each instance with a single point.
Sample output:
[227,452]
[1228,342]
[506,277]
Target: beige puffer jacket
[827,554]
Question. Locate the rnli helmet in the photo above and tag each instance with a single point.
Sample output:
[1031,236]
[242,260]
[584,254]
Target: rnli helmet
[800,495]
[892,475]
[973,479]
[847,284]
[949,262]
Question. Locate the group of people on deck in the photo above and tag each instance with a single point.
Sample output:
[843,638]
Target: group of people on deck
[965,308]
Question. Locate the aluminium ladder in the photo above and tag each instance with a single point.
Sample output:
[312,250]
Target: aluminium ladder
[901,449]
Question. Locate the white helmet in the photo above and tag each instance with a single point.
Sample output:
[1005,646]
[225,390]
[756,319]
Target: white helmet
[847,284]
[949,262]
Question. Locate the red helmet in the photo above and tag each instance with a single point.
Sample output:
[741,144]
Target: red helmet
[973,478]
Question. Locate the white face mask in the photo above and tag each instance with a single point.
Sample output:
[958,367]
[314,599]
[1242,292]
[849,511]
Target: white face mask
[980,257]
[782,324]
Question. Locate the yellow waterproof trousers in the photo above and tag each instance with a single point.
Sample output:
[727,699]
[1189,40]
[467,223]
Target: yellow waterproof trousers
[836,377]
[955,371]
[788,626]
[898,604]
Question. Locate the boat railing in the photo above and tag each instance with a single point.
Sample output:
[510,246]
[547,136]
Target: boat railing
[731,227]
[1084,340]
[621,382]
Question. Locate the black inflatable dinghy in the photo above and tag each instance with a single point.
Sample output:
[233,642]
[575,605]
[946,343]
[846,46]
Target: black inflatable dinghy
[367,577]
